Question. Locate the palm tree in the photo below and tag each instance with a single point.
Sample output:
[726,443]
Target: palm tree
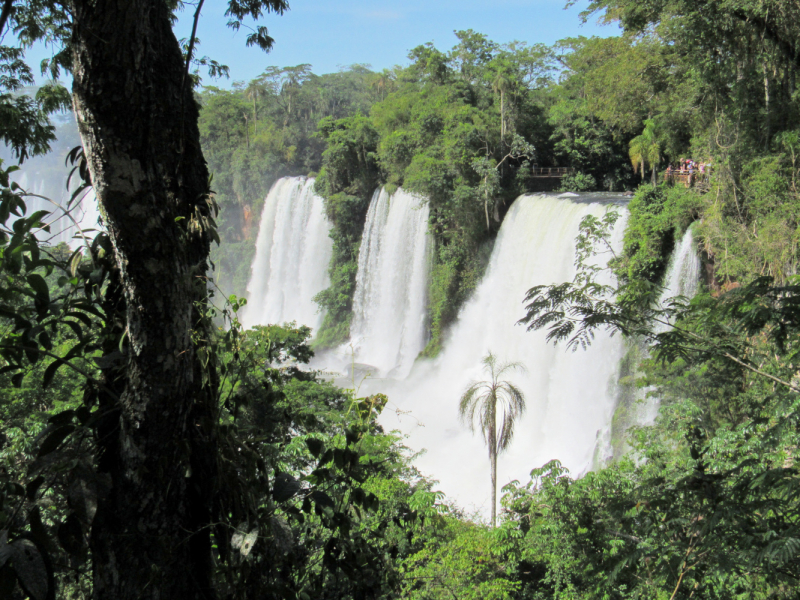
[483,402]
[501,83]
[383,82]
[502,79]
[646,148]
[252,92]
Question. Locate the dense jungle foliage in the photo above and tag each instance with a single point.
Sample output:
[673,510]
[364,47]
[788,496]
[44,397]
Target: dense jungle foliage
[314,499]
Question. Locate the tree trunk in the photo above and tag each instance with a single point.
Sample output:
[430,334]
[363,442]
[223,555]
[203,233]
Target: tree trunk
[486,201]
[138,124]
[767,108]
[502,120]
[255,117]
[493,456]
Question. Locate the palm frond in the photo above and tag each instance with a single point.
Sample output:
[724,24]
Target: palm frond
[513,400]
[495,403]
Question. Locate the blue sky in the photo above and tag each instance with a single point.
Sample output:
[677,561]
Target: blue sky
[329,34]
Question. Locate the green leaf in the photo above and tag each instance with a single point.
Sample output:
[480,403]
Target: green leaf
[70,536]
[31,568]
[53,441]
[285,487]
[50,372]
[322,499]
[33,487]
[39,286]
[61,418]
[44,340]
[75,262]
[315,446]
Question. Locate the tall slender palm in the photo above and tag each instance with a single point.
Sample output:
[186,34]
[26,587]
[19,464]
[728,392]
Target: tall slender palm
[646,148]
[486,404]
[252,92]
[501,83]
[383,82]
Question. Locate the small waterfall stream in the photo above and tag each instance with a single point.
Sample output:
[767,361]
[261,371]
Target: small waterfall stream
[388,328]
[682,278]
[683,273]
[293,251]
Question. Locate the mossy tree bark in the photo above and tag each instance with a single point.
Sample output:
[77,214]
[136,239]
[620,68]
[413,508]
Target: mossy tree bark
[138,123]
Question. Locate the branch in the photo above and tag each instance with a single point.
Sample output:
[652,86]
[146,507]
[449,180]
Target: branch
[68,214]
[625,536]
[190,51]
[738,361]
[7,5]
[684,571]
[770,32]
[63,362]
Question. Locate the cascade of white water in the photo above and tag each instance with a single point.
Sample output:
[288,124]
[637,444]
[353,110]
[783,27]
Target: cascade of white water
[293,250]
[683,274]
[388,329]
[570,396]
[681,279]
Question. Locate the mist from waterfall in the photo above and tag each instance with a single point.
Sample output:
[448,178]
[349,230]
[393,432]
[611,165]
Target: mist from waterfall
[388,327]
[571,396]
[293,251]
[44,179]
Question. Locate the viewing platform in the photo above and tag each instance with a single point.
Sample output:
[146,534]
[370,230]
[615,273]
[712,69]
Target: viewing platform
[696,179]
[547,172]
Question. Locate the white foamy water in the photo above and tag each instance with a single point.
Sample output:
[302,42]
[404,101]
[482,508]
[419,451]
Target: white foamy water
[388,328]
[683,273]
[571,396]
[293,250]
[681,279]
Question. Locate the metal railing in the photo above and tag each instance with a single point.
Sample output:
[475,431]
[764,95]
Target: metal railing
[686,179]
[551,171]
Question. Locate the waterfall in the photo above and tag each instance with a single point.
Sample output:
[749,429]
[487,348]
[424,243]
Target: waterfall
[388,328]
[570,396]
[293,251]
[683,273]
[45,177]
[682,278]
